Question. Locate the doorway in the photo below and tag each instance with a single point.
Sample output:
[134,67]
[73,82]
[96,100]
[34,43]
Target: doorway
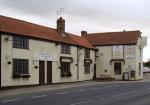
[117,70]
[49,72]
[94,77]
[0,62]
[41,72]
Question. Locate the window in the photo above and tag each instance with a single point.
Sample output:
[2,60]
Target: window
[20,66]
[132,74]
[20,42]
[87,53]
[87,68]
[139,68]
[140,52]
[65,49]
[65,69]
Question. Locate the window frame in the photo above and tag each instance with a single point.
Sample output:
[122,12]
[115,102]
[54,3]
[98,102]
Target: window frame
[140,68]
[87,53]
[132,74]
[65,49]
[65,68]
[87,67]
[20,42]
[20,66]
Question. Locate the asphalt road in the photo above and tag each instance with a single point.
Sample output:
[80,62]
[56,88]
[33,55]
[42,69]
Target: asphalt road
[137,93]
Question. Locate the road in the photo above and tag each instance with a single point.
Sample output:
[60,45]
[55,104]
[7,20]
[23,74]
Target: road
[135,93]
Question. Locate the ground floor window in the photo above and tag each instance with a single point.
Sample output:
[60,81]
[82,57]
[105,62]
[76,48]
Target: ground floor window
[20,66]
[117,68]
[87,68]
[65,69]
[132,74]
[139,68]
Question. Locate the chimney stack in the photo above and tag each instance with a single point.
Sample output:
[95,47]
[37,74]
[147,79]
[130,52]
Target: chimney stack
[83,33]
[61,25]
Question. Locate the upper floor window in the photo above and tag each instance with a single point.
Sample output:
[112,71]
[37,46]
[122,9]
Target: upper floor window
[20,42]
[66,49]
[87,53]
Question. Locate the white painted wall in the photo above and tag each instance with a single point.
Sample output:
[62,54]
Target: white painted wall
[35,48]
[105,55]
[82,75]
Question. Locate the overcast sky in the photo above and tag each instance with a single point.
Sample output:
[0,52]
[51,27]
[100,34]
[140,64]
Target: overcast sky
[90,15]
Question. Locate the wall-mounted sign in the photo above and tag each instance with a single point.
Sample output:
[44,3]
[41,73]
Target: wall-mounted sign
[129,51]
[44,56]
[118,52]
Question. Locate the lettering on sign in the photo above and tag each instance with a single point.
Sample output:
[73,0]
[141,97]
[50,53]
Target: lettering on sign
[129,51]
[118,52]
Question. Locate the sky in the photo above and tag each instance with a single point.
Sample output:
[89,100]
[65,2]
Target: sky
[89,15]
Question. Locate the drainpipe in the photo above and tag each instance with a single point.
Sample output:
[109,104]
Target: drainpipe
[77,63]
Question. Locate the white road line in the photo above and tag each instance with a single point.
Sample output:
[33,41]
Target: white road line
[95,88]
[81,90]
[123,94]
[82,102]
[102,98]
[39,96]
[16,99]
[147,88]
[108,86]
[62,93]
[117,85]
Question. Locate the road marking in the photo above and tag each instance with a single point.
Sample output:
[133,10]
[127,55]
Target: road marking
[117,85]
[39,96]
[82,102]
[62,93]
[148,88]
[108,86]
[123,94]
[102,98]
[16,99]
[81,90]
[95,88]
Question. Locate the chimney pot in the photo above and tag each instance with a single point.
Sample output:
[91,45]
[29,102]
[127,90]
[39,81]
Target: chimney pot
[83,33]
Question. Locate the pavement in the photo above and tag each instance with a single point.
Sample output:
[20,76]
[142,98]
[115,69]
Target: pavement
[27,90]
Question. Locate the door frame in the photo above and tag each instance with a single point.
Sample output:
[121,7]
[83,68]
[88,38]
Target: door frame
[41,75]
[0,64]
[49,72]
[118,76]
[94,76]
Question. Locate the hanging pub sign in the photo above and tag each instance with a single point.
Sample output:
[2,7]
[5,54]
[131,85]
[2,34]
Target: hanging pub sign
[129,51]
[118,52]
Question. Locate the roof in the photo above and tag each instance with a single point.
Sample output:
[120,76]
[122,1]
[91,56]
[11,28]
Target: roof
[23,28]
[82,41]
[114,38]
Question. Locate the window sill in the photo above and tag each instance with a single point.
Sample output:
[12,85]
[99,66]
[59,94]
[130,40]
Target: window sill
[67,75]
[86,57]
[21,48]
[15,76]
[86,73]
[66,53]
